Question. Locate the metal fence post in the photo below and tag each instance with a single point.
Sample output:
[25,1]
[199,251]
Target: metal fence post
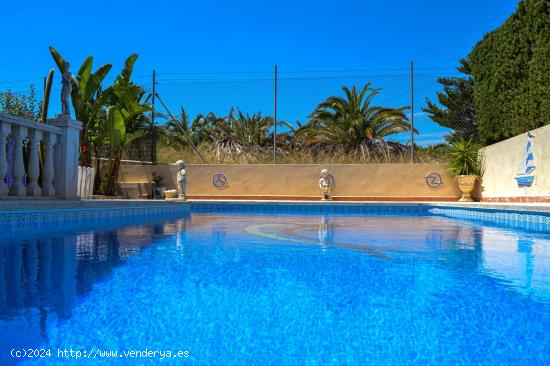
[274,114]
[153,129]
[412,114]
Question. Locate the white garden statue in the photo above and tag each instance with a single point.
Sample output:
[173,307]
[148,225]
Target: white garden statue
[181,179]
[66,90]
[325,183]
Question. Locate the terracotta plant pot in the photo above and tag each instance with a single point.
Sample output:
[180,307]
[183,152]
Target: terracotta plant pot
[466,184]
[170,194]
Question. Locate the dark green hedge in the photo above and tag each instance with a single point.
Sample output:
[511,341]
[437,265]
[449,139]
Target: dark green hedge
[511,71]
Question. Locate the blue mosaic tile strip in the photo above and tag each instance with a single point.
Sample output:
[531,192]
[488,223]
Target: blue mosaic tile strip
[11,221]
[529,220]
[38,219]
[307,208]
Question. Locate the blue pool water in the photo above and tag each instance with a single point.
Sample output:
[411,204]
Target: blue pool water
[264,285]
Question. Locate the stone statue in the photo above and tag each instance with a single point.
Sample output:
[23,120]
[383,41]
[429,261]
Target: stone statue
[66,90]
[181,179]
[325,184]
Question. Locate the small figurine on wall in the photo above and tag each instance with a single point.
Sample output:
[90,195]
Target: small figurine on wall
[181,179]
[325,183]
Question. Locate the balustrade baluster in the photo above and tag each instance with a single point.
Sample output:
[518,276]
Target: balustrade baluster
[33,170]
[47,187]
[19,133]
[5,129]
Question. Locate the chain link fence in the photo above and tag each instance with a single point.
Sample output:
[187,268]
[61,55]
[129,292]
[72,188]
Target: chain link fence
[228,117]
[238,100]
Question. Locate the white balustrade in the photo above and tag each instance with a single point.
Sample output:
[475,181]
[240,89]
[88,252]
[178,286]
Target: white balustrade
[60,139]
[5,130]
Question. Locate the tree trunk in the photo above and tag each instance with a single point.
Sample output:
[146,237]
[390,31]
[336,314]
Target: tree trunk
[98,189]
[112,177]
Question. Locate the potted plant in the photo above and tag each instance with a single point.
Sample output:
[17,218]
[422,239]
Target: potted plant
[464,165]
[157,187]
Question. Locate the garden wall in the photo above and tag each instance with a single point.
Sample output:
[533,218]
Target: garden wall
[353,182]
[501,162]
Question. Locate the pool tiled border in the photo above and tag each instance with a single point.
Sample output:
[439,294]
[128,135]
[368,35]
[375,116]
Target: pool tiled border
[48,213]
[80,212]
[520,217]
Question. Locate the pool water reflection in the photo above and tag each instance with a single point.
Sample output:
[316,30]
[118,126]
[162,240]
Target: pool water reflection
[42,275]
[236,288]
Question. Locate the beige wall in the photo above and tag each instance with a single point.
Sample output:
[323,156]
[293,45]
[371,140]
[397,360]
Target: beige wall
[501,162]
[367,180]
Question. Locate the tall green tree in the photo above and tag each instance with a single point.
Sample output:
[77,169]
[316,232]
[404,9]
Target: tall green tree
[511,69]
[20,105]
[455,108]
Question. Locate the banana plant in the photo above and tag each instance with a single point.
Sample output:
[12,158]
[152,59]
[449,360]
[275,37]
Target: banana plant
[87,100]
[126,108]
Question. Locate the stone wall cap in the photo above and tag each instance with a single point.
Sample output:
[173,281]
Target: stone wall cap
[63,121]
[19,121]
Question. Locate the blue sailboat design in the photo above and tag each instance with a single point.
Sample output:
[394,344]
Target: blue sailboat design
[525,176]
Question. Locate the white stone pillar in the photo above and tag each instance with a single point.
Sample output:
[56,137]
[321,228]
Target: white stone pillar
[4,132]
[66,157]
[47,187]
[33,170]
[19,133]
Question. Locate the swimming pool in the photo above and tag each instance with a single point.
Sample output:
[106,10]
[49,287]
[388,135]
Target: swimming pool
[282,284]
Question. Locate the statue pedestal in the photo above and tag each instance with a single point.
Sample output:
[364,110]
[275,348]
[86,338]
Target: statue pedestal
[67,150]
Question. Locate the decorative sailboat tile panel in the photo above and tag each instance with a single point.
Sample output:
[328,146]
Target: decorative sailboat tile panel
[525,176]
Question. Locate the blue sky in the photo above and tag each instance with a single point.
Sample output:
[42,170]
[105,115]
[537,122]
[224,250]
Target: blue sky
[225,37]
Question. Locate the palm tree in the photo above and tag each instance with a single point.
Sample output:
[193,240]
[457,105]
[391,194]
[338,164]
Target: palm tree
[238,133]
[178,130]
[286,137]
[252,130]
[354,123]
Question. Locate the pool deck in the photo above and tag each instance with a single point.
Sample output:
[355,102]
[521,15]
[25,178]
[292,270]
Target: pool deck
[29,205]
